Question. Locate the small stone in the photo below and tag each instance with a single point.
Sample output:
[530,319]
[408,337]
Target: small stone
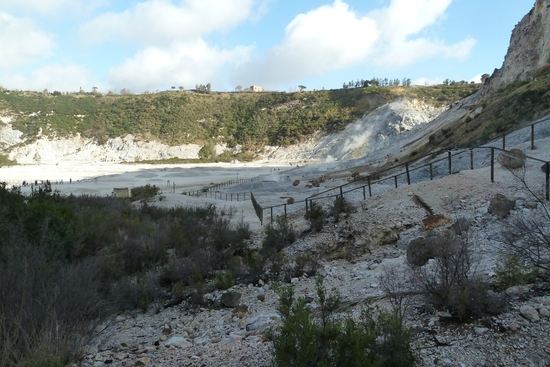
[178,342]
[294,280]
[240,311]
[529,313]
[261,282]
[543,311]
[144,361]
[261,297]
[444,315]
[514,326]
[480,330]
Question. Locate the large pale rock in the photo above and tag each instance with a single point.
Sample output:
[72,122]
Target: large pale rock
[513,159]
[500,205]
[529,313]
[231,299]
[422,249]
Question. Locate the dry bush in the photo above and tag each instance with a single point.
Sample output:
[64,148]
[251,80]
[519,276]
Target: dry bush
[527,235]
[396,283]
[451,281]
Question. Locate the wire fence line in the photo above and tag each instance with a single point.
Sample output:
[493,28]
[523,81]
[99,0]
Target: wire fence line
[213,191]
[429,167]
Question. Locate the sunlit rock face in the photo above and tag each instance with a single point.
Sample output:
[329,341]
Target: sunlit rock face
[529,48]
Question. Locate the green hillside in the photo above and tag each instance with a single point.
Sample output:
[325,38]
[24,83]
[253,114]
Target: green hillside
[179,117]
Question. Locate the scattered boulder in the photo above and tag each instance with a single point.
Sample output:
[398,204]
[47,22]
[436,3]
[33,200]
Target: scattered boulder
[240,311]
[461,226]
[290,201]
[144,361]
[231,299]
[529,313]
[500,205]
[517,291]
[544,312]
[422,249]
[296,183]
[178,342]
[261,321]
[543,168]
[435,221]
[514,158]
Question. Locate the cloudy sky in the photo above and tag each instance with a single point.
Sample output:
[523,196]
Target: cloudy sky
[152,45]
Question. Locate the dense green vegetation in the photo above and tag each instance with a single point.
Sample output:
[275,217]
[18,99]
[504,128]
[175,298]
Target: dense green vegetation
[177,117]
[67,261]
[333,340]
[503,110]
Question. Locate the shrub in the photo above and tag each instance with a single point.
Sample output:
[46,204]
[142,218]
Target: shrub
[5,161]
[396,285]
[452,284]
[207,152]
[341,205]
[278,236]
[224,280]
[316,216]
[329,340]
[527,236]
[512,270]
[305,264]
[144,192]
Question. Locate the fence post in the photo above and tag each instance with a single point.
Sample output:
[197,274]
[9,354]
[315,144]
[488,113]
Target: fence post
[408,174]
[492,164]
[471,158]
[450,162]
[271,214]
[532,136]
[364,194]
[503,141]
[306,208]
[368,183]
[395,179]
[262,216]
[431,172]
[341,194]
[547,169]
[285,211]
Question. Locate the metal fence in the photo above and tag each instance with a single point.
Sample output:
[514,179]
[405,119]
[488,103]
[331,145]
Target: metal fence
[427,167]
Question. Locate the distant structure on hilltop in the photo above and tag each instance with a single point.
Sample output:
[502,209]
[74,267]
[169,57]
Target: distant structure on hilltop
[255,88]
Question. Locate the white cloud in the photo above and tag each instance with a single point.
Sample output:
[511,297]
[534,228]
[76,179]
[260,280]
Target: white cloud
[51,77]
[159,22]
[182,64]
[476,79]
[328,38]
[404,19]
[333,37]
[427,81]
[55,8]
[21,42]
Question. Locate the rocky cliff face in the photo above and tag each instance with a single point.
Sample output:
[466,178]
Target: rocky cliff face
[529,48]
[389,123]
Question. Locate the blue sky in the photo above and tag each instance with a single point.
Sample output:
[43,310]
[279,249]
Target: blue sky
[152,45]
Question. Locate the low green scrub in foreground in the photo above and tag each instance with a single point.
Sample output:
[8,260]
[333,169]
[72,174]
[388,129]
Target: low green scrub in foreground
[326,338]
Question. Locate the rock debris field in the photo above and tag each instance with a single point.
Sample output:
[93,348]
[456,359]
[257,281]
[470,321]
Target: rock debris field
[352,254]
